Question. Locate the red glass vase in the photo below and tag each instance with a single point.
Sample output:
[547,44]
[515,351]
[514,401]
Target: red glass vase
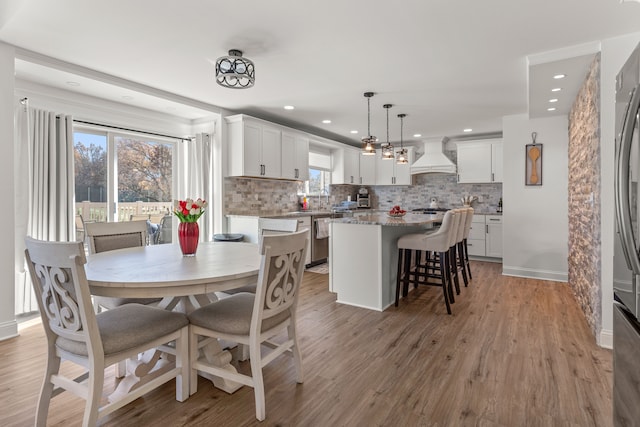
[188,236]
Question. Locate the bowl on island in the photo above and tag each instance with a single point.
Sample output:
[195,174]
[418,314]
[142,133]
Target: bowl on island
[396,215]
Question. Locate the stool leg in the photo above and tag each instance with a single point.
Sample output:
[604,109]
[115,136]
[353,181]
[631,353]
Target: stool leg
[454,268]
[398,276]
[407,272]
[446,261]
[445,286]
[463,266]
[466,258]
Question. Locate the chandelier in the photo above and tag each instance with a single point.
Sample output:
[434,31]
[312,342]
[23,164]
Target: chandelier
[368,142]
[387,149]
[234,71]
[401,154]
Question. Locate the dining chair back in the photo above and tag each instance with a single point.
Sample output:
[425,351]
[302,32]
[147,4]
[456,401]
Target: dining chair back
[76,334]
[277,225]
[108,236]
[253,319]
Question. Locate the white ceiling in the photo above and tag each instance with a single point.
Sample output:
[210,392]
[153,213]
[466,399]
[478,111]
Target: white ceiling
[448,65]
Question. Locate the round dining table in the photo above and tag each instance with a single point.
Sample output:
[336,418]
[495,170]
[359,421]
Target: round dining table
[183,282]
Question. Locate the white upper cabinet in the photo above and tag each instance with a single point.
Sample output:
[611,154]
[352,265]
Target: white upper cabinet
[254,148]
[388,172]
[346,166]
[480,161]
[367,170]
[295,156]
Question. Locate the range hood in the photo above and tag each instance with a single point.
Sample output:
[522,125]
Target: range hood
[433,160]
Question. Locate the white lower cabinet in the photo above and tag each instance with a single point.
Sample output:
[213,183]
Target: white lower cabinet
[493,226]
[485,236]
[304,223]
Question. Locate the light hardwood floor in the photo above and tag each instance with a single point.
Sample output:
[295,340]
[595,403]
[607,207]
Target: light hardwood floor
[515,352]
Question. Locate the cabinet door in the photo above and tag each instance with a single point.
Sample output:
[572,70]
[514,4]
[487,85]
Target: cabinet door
[496,161]
[403,172]
[494,236]
[367,170]
[302,158]
[252,142]
[476,240]
[352,167]
[288,156]
[271,152]
[474,163]
[385,170]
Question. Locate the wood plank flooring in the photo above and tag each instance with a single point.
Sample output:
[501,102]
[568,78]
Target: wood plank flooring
[515,352]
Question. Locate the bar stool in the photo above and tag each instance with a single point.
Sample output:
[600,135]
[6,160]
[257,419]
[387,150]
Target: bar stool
[438,267]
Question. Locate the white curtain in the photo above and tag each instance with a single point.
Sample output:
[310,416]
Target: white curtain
[44,207]
[198,154]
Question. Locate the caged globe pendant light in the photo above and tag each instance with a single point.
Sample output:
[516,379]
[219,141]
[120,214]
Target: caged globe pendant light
[234,71]
[368,142]
[387,149]
[402,157]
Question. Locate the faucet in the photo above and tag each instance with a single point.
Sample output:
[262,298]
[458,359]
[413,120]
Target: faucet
[326,193]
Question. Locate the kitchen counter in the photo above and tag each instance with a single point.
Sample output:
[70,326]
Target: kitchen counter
[363,256]
[274,214]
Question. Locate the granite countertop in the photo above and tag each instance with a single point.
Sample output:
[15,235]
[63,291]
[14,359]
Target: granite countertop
[410,219]
[279,214]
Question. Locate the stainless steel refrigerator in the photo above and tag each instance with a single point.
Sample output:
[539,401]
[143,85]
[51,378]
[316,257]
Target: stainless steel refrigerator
[626,275]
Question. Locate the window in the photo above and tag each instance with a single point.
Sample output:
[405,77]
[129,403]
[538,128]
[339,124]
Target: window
[319,172]
[121,177]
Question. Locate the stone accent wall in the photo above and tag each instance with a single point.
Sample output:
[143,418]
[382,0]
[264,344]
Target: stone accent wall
[584,198]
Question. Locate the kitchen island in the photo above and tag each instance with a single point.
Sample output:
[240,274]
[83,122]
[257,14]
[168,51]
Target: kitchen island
[363,256]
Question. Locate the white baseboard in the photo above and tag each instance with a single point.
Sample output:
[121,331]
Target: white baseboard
[605,338]
[555,276]
[8,330]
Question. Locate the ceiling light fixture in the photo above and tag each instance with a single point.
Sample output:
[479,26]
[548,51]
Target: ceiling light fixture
[553,100]
[368,142]
[559,76]
[234,71]
[467,130]
[387,149]
[551,109]
[556,89]
[401,154]
[326,122]
[417,135]
[354,131]
[289,107]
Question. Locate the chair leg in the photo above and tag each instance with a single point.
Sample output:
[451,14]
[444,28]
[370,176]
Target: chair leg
[182,358]
[193,357]
[297,356]
[94,394]
[466,259]
[46,392]
[407,273]
[258,381]
[454,268]
[121,369]
[443,275]
[398,276]
[463,267]
[445,258]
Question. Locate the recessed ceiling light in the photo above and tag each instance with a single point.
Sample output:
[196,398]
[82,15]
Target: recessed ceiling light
[467,130]
[326,122]
[417,135]
[354,131]
[551,109]
[559,76]
[73,83]
[289,107]
[127,97]
[556,89]
[553,100]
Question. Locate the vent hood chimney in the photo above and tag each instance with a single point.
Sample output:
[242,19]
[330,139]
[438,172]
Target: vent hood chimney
[433,160]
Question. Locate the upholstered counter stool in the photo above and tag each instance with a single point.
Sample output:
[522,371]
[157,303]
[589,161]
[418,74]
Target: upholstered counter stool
[457,264]
[437,247]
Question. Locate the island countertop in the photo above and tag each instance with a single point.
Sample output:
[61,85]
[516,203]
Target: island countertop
[409,220]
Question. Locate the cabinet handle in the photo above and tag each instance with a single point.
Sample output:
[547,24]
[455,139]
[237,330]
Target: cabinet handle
[494,219]
[297,173]
[360,180]
[487,227]
[458,177]
[469,244]
[492,177]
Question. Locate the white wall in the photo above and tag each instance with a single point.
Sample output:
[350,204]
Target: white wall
[8,325]
[535,225]
[614,53]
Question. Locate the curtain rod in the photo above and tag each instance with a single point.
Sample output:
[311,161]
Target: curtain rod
[188,138]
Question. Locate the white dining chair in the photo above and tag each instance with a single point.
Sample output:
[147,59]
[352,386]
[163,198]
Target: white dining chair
[109,236]
[253,319]
[94,341]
